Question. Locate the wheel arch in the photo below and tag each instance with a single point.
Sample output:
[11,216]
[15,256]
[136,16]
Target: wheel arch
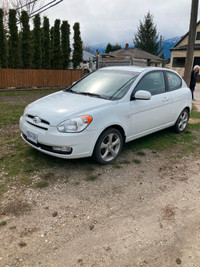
[189,110]
[119,128]
[116,126]
[96,152]
[176,127]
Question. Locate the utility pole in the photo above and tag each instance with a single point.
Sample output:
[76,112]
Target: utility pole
[191,41]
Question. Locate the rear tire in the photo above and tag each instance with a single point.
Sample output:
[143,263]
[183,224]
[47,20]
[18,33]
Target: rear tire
[108,146]
[182,121]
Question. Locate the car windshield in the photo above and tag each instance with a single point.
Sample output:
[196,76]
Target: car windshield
[108,84]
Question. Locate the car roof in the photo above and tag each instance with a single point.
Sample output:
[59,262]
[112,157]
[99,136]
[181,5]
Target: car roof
[138,69]
[130,68]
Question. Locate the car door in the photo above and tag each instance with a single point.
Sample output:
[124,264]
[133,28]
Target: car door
[179,94]
[151,115]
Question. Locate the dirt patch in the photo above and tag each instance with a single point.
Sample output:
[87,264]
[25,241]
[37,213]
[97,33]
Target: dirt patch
[14,207]
[169,212]
[131,216]
[192,121]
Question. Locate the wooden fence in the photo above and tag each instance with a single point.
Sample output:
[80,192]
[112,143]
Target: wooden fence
[23,78]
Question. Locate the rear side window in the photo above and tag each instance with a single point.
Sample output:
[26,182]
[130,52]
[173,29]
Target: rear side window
[152,82]
[174,82]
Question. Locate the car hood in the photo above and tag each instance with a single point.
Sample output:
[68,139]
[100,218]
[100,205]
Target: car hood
[59,106]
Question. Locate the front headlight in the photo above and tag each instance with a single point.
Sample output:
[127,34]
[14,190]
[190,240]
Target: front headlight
[74,125]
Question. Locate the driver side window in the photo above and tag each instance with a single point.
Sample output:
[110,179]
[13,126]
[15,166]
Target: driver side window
[152,82]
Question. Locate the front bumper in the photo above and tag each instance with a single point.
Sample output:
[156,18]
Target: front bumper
[81,144]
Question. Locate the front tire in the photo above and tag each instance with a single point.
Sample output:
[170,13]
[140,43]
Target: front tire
[182,121]
[108,146]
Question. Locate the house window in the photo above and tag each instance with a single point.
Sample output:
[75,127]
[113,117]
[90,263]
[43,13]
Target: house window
[178,62]
[198,36]
[196,61]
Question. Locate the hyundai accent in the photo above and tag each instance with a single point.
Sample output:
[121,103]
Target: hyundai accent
[105,109]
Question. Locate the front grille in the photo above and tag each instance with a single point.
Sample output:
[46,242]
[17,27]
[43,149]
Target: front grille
[45,147]
[42,124]
[42,121]
[38,126]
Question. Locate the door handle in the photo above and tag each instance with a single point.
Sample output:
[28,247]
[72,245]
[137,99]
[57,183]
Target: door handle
[165,99]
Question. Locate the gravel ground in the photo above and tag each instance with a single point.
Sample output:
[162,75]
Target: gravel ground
[143,214]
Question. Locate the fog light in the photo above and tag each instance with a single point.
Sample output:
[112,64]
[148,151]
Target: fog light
[62,148]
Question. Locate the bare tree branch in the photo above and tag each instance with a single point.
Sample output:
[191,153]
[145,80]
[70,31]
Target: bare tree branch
[32,7]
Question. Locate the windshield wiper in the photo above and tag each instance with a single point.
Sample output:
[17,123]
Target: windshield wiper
[71,91]
[89,94]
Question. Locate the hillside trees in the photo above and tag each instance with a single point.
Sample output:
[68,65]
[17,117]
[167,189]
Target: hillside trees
[146,37]
[41,47]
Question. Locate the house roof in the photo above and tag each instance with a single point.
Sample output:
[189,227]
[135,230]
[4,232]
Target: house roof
[87,56]
[135,53]
[183,37]
[184,47]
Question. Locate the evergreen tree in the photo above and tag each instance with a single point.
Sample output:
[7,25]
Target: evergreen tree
[111,48]
[116,47]
[25,41]
[13,43]
[3,52]
[46,45]
[51,45]
[65,44]
[108,48]
[78,46]
[37,49]
[146,37]
[56,45]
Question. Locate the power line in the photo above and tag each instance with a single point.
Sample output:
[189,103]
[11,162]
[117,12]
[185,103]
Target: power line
[23,6]
[40,10]
[26,4]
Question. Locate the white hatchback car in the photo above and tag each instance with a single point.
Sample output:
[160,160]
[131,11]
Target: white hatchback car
[104,110]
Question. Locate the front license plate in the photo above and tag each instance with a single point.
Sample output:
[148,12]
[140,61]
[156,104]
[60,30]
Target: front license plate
[32,136]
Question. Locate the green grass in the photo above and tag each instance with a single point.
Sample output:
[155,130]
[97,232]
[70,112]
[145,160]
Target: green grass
[10,113]
[136,161]
[28,92]
[3,223]
[41,184]
[195,114]
[91,178]
[140,153]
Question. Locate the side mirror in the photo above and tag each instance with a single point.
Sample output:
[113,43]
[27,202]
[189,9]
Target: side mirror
[141,95]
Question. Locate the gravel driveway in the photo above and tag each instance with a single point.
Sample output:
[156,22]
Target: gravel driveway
[135,213]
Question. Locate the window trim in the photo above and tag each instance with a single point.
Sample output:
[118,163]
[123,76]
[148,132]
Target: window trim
[198,36]
[165,83]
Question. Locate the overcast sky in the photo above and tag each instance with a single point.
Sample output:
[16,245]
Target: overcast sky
[116,21]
